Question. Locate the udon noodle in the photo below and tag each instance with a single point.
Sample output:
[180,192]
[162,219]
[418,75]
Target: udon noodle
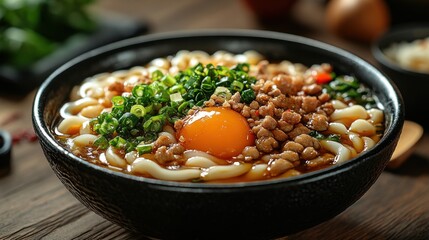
[260,119]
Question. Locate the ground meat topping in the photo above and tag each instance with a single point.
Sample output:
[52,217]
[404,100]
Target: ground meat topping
[298,130]
[293,146]
[312,89]
[269,123]
[291,117]
[266,144]
[279,166]
[284,112]
[307,141]
[289,107]
[287,84]
[309,153]
[250,153]
[318,122]
[279,135]
[168,154]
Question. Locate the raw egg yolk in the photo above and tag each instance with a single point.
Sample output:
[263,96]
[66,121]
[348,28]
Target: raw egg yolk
[219,131]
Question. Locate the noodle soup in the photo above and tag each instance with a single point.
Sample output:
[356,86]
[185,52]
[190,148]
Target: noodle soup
[223,117]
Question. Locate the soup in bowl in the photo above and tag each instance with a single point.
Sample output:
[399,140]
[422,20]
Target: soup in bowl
[249,133]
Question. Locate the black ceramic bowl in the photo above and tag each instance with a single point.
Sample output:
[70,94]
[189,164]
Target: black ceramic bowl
[412,84]
[254,210]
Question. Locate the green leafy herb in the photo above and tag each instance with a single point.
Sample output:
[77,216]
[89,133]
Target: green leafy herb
[349,89]
[320,136]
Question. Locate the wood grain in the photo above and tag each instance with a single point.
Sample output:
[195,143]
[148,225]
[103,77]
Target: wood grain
[35,205]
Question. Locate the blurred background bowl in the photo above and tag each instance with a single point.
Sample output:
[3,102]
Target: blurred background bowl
[408,11]
[252,210]
[412,84]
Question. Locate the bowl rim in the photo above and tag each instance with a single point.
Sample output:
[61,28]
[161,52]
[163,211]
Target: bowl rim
[389,38]
[394,130]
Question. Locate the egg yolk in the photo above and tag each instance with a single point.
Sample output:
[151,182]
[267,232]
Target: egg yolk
[219,131]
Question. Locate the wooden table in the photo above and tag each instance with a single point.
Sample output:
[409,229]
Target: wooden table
[34,204]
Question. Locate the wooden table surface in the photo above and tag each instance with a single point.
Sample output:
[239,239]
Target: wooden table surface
[35,205]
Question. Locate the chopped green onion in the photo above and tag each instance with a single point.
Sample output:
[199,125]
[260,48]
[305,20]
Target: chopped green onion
[138,90]
[128,120]
[245,67]
[118,100]
[144,148]
[101,142]
[157,75]
[176,97]
[178,88]
[169,113]
[118,142]
[136,119]
[168,80]
[223,92]
[148,108]
[248,96]
[207,84]
[154,123]
[237,86]
[138,110]
[182,107]
[109,126]
[224,81]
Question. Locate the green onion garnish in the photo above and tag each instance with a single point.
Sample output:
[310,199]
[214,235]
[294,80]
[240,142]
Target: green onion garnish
[136,119]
